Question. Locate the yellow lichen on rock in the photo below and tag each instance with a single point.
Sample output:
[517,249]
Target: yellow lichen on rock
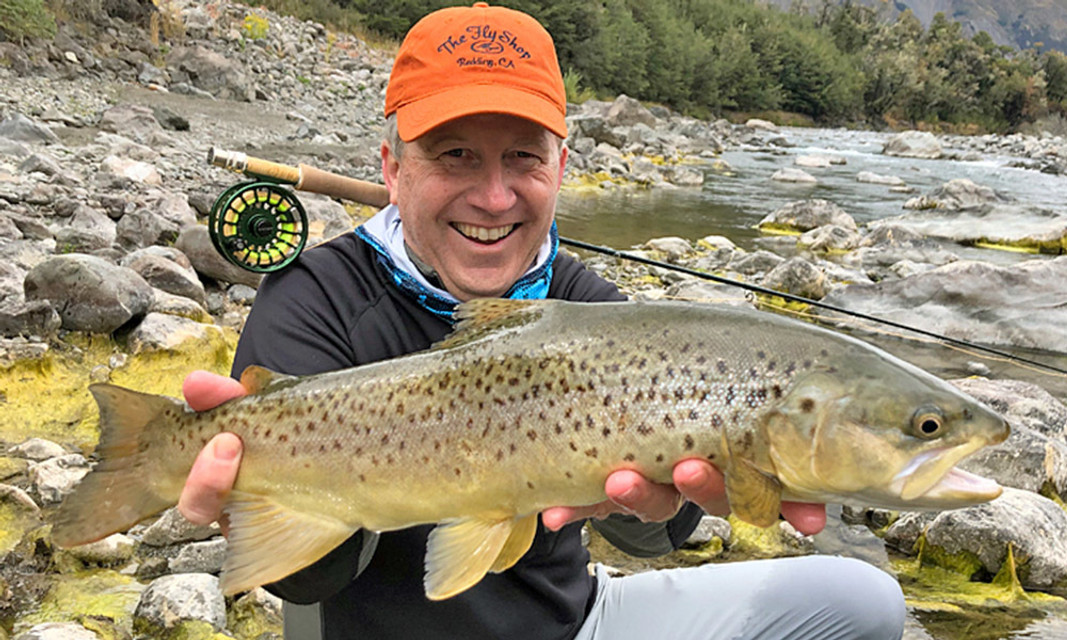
[101,593]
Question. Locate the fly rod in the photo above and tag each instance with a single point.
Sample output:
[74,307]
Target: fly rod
[258,229]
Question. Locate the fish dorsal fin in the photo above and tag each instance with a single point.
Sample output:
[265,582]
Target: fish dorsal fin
[256,379]
[484,316]
[268,541]
[519,542]
[460,552]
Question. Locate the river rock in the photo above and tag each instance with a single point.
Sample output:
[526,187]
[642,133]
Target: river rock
[326,217]
[168,269]
[19,128]
[913,144]
[673,246]
[57,631]
[756,263]
[86,230]
[111,551]
[1021,402]
[626,112]
[211,72]
[19,317]
[798,277]
[709,528]
[173,528]
[874,178]
[830,238]
[171,600]
[38,449]
[973,301]
[805,215]
[200,557]
[55,478]
[119,145]
[114,167]
[143,227]
[195,243]
[1033,525]
[812,162]
[160,332]
[88,293]
[793,175]
[1008,225]
[707,291]
[174,305]
[134,122]
[40,163]
[761,125]
[956,194]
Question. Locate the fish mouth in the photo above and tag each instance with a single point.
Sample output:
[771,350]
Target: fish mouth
[484,235]
[932,477]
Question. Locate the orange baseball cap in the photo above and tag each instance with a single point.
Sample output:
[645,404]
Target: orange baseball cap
[461,61]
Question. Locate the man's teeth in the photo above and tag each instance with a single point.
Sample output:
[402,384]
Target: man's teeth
[484,234]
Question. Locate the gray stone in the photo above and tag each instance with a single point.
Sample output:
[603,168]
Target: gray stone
[19,128]
[38,449]
[673,246]
[626,112]
[805,215]
[326,217]
[241,294]
[89,294]
[173,528]
[195,242]
[211,72]
[200,557]
[160,332]
[1033,525]
[143,228]
[812,162]
[913,144]
[173,305]
[874,178]
[58,631]
[126,169]
[167,273]
[40,163]
[113,550]
[55,478]
[173,599]
[830,238]
[758,262]
[707,291]
[793,175]
[131,121]
[956,194]
[761,125]
[19,317]
[709,528]
[87,230]
[798,277]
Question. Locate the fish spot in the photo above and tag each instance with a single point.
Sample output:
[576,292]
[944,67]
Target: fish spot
[499,454]
[591,452]
[716,420]
[644,429]
[668,421]
[721,367]
[659,458]
[589,421]
[283,438]
[574,447]
[807,405]
[606,432]
[457,471]
[689,443]
[568,474]
[746,441]
[532,435]
[362,478]
[694,414]
[529,484]
[629,457]
[512,448]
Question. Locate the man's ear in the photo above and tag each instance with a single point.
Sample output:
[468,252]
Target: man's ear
[390,171]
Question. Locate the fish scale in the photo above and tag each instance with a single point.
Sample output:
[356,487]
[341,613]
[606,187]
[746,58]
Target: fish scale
[532,404]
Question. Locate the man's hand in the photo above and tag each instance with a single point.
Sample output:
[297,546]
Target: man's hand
[694,480]
[215,469]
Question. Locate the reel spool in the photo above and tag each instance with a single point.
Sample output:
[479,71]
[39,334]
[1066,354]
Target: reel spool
[258,226]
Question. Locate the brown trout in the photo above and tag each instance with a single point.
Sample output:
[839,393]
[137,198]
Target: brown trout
[531,404]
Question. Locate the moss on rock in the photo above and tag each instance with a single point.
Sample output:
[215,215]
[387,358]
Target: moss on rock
[102,594]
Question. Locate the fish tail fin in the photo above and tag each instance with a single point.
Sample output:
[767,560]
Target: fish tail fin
[129,483]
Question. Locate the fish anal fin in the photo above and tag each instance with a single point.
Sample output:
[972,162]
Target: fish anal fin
[460,552]
[754,496]
[518,543]
[484,316]
[268,541]
[256,379]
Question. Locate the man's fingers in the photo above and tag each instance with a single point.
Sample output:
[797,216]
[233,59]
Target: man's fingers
[701,483]
[555,518]
[211,479]
[807,518]
[205,390]
[638,496]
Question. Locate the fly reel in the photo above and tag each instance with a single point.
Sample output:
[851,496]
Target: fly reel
[259,226]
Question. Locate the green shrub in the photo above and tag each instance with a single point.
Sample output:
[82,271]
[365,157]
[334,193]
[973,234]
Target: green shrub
[21,19]
[576,93]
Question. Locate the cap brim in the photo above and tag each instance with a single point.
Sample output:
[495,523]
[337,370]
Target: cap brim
[418,117]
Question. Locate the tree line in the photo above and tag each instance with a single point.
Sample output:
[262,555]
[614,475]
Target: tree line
[837,64]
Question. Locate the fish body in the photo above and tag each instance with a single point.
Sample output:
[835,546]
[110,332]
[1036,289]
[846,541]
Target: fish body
[531,404]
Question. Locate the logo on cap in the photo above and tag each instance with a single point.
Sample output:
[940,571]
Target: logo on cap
[484,40]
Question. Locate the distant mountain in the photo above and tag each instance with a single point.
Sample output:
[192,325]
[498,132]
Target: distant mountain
[1017,23]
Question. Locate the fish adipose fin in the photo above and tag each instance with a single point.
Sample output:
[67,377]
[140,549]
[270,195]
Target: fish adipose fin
[459,553]
[268,541]
[485,316]
[127,485]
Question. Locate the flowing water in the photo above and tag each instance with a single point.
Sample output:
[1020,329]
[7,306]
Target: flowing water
[732,204]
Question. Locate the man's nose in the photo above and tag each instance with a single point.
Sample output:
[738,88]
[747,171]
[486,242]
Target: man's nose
[493,191]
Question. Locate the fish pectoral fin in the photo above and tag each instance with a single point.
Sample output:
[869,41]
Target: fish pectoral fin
[268,541]
[460,552]
[754,496]
[256,379]
[518,543]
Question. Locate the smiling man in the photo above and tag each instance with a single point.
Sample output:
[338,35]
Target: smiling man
[473,158]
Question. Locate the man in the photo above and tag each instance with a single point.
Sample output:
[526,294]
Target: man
[473,159]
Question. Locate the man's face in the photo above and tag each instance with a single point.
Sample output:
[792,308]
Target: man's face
[477,196]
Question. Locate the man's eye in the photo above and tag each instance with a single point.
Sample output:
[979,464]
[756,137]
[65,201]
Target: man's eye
[454,153]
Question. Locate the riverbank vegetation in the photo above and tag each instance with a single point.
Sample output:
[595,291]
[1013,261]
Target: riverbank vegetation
[837,64]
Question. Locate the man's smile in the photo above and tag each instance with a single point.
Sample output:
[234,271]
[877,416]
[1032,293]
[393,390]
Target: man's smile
[485,235]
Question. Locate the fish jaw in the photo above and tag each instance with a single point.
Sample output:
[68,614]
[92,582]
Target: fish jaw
[931,479]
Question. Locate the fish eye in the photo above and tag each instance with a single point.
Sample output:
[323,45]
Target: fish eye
[928,422]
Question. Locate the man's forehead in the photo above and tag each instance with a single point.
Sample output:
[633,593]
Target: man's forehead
[468,127]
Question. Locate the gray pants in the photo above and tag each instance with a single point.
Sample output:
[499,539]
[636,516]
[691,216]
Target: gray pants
[812,597]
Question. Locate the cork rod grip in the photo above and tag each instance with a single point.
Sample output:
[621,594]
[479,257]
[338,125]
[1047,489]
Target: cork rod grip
[338,186]
[273,171]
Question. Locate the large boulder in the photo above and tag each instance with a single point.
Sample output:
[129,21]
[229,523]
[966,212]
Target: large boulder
[131,121]
[171,600]
[19,128]
[913,144]
[89,293]
[805,215]
[626,112]
[211,72]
